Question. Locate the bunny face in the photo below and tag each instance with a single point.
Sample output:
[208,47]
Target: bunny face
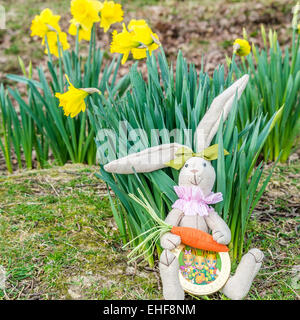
[198,172]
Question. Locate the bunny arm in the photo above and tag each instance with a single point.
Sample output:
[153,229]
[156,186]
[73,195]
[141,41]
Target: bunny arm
[220,231]
[169,240]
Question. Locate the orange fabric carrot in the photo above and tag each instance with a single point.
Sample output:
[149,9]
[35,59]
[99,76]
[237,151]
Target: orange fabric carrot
[189,236]
[198,239]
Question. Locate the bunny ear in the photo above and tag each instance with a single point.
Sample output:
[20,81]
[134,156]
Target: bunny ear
[209,124]
[148,160]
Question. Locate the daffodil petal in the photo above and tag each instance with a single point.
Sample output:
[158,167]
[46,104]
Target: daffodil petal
[72,101]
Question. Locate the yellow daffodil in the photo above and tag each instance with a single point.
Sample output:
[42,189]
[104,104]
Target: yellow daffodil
[83,34]
[44,23]
[72,101]
[47,25]
[141,31]
[241,47]
[144,35]
[110,13]
[52,38]
[86,12]
[137,39]
[122,43]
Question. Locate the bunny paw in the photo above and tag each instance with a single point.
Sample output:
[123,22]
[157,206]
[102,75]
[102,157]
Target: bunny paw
[257,254]
[170,241]
[221,237]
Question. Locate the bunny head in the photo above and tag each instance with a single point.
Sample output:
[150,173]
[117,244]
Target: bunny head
[195,168]
[197,172]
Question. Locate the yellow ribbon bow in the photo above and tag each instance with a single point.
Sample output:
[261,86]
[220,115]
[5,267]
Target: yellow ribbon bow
[183,154]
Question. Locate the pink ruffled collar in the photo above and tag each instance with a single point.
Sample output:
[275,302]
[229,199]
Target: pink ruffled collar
[192,200]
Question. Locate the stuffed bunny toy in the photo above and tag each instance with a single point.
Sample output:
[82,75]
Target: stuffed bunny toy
[196,178]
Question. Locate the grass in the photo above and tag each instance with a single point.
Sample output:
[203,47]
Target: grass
[58,239]
[275,230]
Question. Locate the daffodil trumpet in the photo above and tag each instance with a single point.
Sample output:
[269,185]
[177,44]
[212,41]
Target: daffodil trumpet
[137,39]
[72,101]
[241,47]
[110,13]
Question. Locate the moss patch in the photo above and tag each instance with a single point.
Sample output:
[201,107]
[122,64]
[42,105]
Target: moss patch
[58,239]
